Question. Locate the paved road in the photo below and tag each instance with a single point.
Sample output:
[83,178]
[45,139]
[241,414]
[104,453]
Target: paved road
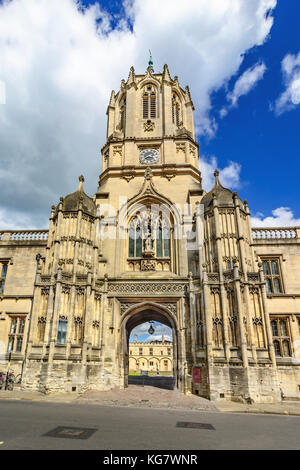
[23,424]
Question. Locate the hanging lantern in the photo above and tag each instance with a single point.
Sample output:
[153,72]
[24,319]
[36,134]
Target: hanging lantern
[151,329]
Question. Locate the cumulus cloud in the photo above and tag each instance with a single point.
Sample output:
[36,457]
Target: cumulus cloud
[290,98]
[160,330]
[281,217]
[59,62]
[229,175]
[246,82]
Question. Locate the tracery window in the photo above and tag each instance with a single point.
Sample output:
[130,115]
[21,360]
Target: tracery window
[281,336]
[16,333]
[176,110]
[41,329]
[78,330]
[146,238]
[272,276]
[149,103]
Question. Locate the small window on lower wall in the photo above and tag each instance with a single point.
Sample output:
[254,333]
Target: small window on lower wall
[3,273]
[281,336]
[16,333]
[62,331]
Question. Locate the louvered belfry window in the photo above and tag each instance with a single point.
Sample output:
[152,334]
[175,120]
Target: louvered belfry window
[149,103]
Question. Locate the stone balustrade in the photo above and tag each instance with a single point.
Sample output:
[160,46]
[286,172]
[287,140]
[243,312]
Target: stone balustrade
[275,233]
[23,235]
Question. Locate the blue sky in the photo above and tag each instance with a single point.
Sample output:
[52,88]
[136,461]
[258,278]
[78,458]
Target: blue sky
[267,146]
[159,329]
[58,66]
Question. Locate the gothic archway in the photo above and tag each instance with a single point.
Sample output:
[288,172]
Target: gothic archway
[140,313]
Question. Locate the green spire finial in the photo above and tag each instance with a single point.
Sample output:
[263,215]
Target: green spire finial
[150,60]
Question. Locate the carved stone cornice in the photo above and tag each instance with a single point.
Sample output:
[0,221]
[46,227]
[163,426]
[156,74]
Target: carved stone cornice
[171,306]
[148,288]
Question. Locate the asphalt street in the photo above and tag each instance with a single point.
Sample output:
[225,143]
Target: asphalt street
[23,425]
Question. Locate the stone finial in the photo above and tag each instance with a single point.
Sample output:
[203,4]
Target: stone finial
[166,74]
[216,175]
[112,100]
[81,181]
[131,77]
[188,93]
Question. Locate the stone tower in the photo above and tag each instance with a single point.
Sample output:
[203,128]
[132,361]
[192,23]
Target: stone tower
[151,245]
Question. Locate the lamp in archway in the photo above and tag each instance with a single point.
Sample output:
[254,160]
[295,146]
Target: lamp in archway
[151,329]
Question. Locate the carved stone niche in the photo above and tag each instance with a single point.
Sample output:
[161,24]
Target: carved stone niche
[148,265]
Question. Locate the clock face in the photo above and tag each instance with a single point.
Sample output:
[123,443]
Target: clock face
[149,156]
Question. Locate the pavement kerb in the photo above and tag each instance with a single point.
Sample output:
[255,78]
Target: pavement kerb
[48,399]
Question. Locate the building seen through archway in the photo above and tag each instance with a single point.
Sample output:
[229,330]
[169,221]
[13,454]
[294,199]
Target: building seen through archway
[151,355]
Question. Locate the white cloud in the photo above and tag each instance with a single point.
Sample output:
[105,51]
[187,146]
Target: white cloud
[160,329]
[59,64]
[246,82]
[2,92]
[281,217]
[229,175]
[290,98]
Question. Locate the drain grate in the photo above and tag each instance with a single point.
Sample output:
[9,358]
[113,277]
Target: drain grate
[70,433]
[186,424]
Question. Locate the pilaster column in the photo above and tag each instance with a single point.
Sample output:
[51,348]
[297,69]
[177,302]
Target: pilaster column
[58,236]
[89,312]
[200,235]
[208,319]
[49,315]
[56,312]
[192,317]
[250,319]
[70,329]
[240,314]
[267,317]
[34,311]
[240,235]
[223,299]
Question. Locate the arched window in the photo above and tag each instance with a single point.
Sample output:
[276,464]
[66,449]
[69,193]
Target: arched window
[144,237]
[135,239]
[122,113]
[149,103]
[176,110]
[162,239]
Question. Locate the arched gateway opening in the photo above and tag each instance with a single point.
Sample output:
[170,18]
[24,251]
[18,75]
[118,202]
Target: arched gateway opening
[145,312]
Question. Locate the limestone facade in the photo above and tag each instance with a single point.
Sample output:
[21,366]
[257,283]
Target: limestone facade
[154,357]
[152,245]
